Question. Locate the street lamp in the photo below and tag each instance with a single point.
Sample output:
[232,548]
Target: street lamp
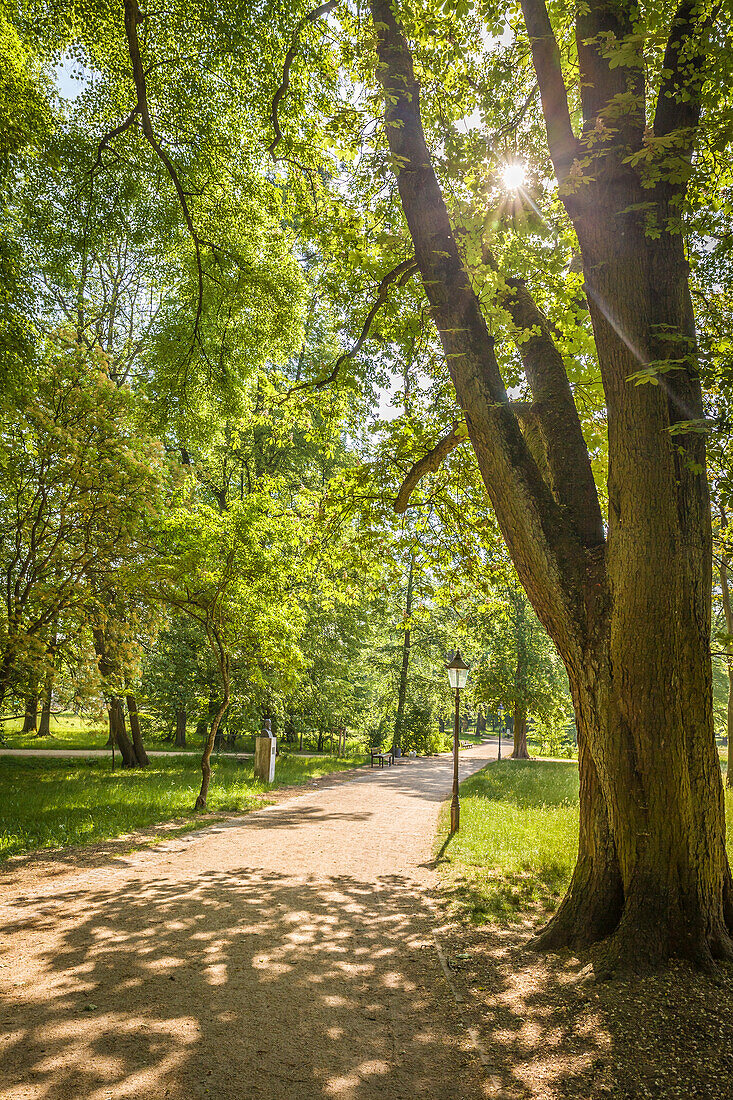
[457,674]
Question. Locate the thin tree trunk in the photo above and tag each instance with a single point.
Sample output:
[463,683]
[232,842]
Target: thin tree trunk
[405,663]
[44,728]
[729,726]
[180,741]
[208,748]
[217,645]
[30,720]
[728,613]
[519,721]
[137,738]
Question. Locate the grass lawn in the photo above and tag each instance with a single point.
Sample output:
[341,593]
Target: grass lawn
[518,840]
[67,732]
[51,803]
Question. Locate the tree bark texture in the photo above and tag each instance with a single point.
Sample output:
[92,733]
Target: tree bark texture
[180,741]
[520,751]
[652,873]
[44,727]
[118,730]
[109,671]
[30,719]
[137,737]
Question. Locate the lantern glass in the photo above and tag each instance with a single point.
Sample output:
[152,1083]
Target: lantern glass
[458,671]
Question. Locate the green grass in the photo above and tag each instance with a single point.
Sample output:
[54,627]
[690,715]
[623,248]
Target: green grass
[53,803]
[67,732]
[72,732]
[518,840]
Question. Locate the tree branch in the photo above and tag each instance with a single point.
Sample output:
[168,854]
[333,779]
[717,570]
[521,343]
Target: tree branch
[133,16]
[428,464]
[571,477]
[678,103]
[561,140]
[311,17]
[399,274]
[544,546]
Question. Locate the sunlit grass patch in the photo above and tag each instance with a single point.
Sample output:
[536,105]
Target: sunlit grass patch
[518,840]
[47,803]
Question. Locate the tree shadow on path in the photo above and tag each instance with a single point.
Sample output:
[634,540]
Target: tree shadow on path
[249,985]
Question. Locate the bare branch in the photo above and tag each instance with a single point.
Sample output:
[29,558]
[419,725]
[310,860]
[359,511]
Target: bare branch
[311,17]
[133,16]
[399,274]
[428,464]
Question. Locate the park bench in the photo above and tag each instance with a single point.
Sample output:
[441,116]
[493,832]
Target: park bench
[380,757]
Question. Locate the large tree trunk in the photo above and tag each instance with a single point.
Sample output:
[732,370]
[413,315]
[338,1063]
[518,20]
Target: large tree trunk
[592,906]
[652,872]
[137,738]
[405,662]
[180,741]
[520,751]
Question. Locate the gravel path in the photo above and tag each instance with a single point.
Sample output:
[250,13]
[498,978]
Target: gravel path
[285,955]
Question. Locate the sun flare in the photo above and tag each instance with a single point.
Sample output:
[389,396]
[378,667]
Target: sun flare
[513,176]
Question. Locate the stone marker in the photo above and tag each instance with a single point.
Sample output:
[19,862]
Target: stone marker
[265,750]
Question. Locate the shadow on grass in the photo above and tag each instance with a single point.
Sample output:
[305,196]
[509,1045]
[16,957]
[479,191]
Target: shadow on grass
[503,895]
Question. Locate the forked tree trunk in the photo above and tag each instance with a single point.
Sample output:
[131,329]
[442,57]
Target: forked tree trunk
[652,873]
[109,669]
[180,741]
[137,738]
[208,748]
[118,731]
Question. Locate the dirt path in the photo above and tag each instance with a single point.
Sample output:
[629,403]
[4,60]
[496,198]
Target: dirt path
[287,955]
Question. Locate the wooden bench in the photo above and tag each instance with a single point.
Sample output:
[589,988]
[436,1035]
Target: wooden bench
[378,755]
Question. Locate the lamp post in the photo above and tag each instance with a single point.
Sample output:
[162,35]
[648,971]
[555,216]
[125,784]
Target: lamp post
[457,674]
